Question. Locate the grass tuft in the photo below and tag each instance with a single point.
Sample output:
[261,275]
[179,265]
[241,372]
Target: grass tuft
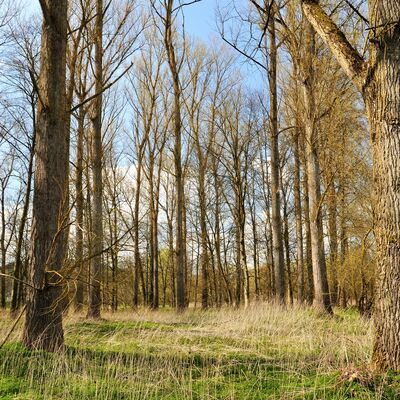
[263,352]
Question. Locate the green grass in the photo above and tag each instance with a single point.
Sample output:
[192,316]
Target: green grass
[259,353]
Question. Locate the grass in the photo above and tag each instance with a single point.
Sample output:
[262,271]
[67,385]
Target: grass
[259,353]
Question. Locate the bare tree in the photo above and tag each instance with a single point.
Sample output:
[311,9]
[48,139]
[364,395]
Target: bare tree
[97,158]
[167,17]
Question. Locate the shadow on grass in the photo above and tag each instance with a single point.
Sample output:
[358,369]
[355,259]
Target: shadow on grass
[111,327]
[104,374]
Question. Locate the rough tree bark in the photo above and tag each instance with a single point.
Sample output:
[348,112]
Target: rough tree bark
[43,325]
[378,80]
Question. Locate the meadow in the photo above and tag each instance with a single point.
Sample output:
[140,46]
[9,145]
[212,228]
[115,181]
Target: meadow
[263,352]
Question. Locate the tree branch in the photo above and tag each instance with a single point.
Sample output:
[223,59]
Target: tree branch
[350,60]
[234,46]
[357,11]
[73,109]
[185,5]
[13,327]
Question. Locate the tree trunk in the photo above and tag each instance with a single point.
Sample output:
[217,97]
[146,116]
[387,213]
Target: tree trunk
[155,236]
[343,237]
[137,260]
[43,325]
[154,200]
[179,244]
[238,261]
[246,278]
[253,217]
[382,98]
[321,290]
[378,81]
[277,238]
[268,228]
[333,240]
[171,259]
[299,223]
[187,271]
[114,250]
[3,246]
[152,229]
[287,246]
[97,158]
[79,211]
[217,228]
[203,231]
[309,268]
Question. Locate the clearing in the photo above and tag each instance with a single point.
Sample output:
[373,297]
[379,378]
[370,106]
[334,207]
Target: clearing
[260,353]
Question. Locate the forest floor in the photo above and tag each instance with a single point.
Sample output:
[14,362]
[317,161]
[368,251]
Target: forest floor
[259,353]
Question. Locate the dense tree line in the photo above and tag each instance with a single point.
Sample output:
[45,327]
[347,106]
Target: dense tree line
[141,167]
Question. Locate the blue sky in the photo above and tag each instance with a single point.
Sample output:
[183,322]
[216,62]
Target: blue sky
[200,19]
[200,23]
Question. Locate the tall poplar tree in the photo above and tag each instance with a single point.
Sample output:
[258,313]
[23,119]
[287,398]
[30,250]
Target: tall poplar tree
[43,325]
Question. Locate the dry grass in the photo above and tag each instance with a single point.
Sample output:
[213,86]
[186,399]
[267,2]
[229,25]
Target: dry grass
[263,352]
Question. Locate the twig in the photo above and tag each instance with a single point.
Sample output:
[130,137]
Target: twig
[234,46]
[13,327]
[101,91]
[355,9]
[19,280]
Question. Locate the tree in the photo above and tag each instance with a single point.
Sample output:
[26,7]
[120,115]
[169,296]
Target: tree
[7,219]
[277,237]
[179,244]
[43,326]
[79,190]
[17,282]
[321,291]
[377,79]
[266,22]
[22,79]
[97,167]
[174,66]
[299,224]
[236,125]
[200,75]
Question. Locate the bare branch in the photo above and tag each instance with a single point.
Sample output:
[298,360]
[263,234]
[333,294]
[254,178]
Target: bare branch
[243,53]
[355,9]
[346,55]
[185,4]
[73,109]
